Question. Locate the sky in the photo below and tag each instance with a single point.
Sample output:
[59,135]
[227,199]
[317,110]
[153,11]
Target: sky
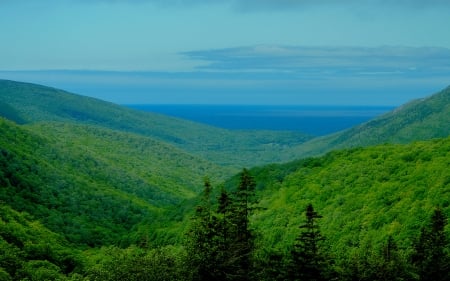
[306,52]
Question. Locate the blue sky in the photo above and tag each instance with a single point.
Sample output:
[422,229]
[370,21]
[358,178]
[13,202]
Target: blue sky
[377,52]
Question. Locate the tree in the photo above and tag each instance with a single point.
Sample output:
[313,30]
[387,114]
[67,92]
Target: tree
[392,264]
[137,264]
[387,264]
[309,261]
[430,257]
[201,245]
[271,265]
[243,238]
[223,239]
[220,244]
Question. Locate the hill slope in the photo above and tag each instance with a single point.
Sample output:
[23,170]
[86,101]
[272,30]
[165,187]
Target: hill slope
[29,251]
[421,119]
[364,194]
[72,175]
[30,103]
[90,176]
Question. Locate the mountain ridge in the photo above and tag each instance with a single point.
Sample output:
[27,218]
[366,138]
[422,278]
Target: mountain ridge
[420,119]
[427,117]
[237,149]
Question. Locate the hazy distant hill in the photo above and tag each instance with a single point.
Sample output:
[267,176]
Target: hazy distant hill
[418,120]
[30,103]
[421,119]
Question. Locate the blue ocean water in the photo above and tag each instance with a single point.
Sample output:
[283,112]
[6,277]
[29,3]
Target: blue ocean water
[314,120]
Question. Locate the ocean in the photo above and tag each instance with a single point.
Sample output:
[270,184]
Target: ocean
[314,120]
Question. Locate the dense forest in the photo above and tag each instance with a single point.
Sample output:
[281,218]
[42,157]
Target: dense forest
[86,194]
[221,243]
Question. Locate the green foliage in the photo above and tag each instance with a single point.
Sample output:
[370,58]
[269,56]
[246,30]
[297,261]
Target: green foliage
[364,194]
[421,119]
[387,263]
[8,112]
[41,270]
[203,241]
[29,251]
[220,244]
[309,259]
[431,255]
[135,264]
[4,275]
[93,184]
[94,174]
[242,206]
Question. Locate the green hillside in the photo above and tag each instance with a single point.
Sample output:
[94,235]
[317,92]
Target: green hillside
[29,251]
[364,194]
[421,119]
[30,103]
[69,175]
[93,191]
[375,204]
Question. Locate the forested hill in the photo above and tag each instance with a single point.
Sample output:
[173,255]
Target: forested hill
[390,188]
[420,119]
[94,184]
[27,103]
[365,195]
[82,179]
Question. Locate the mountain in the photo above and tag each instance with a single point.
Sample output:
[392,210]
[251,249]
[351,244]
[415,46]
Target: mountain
[420,119]
[29,103]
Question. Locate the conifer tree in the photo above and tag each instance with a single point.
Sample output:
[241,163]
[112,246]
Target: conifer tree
[223,237]
[220,244]
[243,237]
[222,220]
[431,257]
[244,204]
[391,265]
[200,244]
[309,261]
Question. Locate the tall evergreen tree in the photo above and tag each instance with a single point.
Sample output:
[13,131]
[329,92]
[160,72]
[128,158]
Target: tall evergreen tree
[431,257]
[200,245]
[221,243]
[390,265]
[243,237]
[223,237]
[309,261]
[244,205]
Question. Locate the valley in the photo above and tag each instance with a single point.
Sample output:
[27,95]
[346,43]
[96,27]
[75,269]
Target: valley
[91,190]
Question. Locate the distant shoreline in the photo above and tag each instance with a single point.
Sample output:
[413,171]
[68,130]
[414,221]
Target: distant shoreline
[314,120]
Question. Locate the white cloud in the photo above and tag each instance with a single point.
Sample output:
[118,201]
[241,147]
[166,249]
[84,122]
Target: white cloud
[332,60]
